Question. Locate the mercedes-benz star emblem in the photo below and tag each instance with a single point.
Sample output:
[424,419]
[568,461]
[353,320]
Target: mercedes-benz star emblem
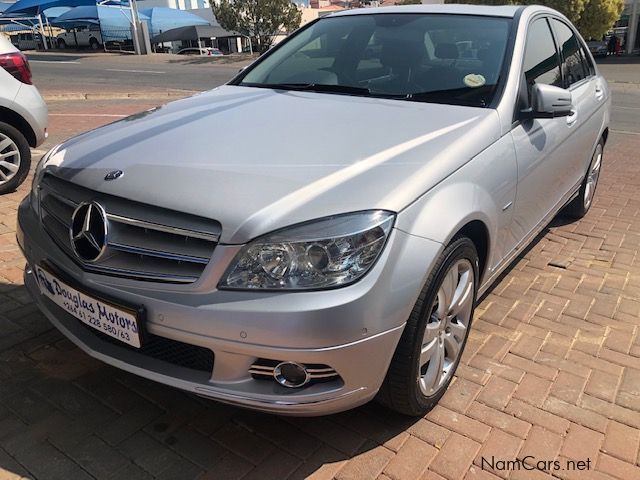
[114,175]
[89,231]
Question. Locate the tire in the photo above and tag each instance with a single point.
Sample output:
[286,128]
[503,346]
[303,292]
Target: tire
[15,158]
[580,205]
[62,44]
[93,43]
[407,388]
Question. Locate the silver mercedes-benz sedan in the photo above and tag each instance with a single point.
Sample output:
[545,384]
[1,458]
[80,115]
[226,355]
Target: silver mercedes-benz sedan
[315,233]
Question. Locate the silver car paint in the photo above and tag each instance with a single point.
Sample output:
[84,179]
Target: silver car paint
[363,165]
[446,167]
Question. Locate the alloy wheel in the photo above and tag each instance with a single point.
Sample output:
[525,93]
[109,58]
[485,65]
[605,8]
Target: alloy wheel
[446,327]
[9,158]
[592,178]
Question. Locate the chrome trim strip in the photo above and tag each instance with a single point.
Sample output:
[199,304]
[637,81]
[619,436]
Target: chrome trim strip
[211,237]
[157,253]
[314,373]
[323,375]
[134,274]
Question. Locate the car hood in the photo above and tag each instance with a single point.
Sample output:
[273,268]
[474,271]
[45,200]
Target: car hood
[258,159]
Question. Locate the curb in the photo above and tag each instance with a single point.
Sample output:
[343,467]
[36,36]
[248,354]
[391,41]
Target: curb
[117,95]
[625,86]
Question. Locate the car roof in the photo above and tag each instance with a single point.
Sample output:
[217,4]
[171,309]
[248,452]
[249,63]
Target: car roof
[508,11]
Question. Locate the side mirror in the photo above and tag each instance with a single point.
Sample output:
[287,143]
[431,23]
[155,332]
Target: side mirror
[548,101]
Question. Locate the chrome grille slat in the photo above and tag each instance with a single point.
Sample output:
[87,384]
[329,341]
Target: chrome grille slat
[163,228]
[136,248]
[157,253]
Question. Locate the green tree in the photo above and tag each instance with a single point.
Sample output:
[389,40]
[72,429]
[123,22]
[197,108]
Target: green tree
[260,20]
[598,17]
[591,17]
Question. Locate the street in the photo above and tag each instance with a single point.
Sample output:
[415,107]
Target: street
[64,72]
[551,370]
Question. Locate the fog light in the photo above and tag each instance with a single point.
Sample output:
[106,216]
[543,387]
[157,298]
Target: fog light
[291,374]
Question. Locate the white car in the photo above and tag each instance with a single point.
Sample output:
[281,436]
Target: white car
[81,37]
[204,51]
[23,117]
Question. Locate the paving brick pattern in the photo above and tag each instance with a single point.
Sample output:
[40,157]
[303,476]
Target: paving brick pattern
[551,373]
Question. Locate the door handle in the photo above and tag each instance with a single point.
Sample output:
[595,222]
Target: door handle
[599,92]
[573,118]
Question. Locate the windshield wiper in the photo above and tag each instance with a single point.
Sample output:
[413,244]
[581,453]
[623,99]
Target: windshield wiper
[313,87]
[458,96]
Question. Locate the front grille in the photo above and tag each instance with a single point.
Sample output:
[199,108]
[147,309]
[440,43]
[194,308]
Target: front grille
[168,350]
[144,242]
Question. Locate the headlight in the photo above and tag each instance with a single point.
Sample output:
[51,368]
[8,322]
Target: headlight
[330,252]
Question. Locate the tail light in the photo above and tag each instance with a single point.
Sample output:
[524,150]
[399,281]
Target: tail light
[17,65]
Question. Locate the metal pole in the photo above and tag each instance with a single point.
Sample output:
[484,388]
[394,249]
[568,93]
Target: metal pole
[50,31]
[135,19]
[44,39]
[632,31]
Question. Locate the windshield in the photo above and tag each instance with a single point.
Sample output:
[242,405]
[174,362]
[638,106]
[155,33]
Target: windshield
[455,59]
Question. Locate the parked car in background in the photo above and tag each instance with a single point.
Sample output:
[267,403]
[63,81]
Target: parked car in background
[80,37]
[306,277]
[598,48]
[23,117]
[204,51]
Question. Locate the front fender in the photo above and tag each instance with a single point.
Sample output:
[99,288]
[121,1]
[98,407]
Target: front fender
[483,190]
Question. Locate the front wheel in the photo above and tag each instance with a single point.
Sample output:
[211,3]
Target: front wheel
[580,205]
[15,158]
[433,340]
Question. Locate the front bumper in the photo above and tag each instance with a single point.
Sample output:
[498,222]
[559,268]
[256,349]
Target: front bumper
[354,330]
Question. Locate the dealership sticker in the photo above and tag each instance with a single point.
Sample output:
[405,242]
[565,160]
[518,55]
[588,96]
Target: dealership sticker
[112,321]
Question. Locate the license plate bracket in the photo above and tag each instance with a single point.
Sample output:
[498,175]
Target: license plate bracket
[109,318]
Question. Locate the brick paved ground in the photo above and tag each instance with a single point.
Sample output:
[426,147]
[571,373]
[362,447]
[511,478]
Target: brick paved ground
[551,371]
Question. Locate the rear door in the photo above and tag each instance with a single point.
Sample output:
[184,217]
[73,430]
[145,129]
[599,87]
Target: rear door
[538,142]
[588,94]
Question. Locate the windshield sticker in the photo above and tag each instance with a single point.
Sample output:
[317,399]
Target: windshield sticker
[474,80]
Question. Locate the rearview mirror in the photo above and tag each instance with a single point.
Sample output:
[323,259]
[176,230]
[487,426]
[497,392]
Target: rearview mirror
[548,101]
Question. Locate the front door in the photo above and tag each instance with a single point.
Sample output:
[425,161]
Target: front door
[541,167]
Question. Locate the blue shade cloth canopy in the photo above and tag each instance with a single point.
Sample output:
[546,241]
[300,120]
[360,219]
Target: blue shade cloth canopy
[55,12]
[34,7]
[163,19]
[110,18]
[115,22]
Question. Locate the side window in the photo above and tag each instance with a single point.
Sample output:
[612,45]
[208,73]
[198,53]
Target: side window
[541,61]
[588,63]
[574,69]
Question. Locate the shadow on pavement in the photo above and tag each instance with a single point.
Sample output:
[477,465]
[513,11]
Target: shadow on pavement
[95,415]
[213,60]
[38,57]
